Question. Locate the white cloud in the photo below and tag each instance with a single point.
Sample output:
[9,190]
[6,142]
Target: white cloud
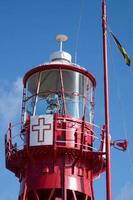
[10,110]
[10,100]
[126,192]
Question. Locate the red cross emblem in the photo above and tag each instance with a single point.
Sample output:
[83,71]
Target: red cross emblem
[41,127]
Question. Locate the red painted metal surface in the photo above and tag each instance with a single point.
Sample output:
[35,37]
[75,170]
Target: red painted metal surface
[46,168]
[66,169]
[106,101]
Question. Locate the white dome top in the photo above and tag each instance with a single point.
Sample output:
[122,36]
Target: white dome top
[61,57]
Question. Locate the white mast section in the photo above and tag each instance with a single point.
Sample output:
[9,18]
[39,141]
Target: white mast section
[37,92]
[61,39]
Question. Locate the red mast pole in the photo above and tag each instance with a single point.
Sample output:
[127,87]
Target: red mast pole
[106,102]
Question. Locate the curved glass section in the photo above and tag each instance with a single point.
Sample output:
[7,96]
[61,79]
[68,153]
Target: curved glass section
[59,91]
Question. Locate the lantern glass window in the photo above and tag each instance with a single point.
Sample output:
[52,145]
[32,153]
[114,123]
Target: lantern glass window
[61,91]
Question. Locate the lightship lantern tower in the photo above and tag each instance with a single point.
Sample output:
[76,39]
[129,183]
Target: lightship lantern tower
[57,160]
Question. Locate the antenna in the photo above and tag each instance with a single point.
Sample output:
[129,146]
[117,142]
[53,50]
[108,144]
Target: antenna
[61,38]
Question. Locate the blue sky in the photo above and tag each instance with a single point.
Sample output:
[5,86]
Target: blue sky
[27,38]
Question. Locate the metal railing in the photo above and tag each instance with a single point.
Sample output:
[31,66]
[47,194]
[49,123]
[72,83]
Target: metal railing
[15,139]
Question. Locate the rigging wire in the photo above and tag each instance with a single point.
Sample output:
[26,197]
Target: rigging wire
[118,93]
[131,70]
[78,32]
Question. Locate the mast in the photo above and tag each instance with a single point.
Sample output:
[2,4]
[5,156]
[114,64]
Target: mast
[106,103]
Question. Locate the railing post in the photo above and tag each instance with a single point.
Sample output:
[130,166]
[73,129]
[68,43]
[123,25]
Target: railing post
[9,139]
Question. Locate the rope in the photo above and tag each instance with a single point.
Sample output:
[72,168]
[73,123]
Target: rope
[78,32]
[121,109]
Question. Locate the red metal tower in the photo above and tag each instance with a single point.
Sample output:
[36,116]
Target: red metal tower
[57,159]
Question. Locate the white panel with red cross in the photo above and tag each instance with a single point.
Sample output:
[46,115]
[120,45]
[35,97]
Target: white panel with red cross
[41,130]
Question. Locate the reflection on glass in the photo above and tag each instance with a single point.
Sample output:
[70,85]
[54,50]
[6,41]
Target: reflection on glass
[44,94]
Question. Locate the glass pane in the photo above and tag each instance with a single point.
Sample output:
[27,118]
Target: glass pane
[44,94]
[41,87]
[31,86]
[78,94]
[50,82]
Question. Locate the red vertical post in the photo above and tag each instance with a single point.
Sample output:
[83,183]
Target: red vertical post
[25,192]
[62,91]
[10,138]
[106,102]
